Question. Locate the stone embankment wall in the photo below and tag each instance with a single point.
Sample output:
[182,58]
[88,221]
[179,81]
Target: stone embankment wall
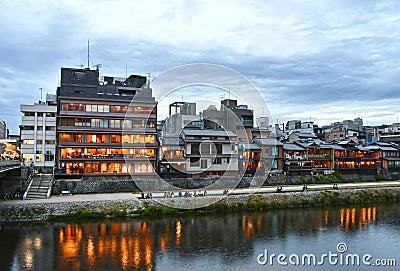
[133,207]
[107,184]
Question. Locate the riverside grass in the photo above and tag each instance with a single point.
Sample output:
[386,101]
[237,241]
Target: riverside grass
[231,203]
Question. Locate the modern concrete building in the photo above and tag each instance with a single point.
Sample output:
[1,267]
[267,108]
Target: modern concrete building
[3,129]
[231,117]
[38,133]
[184,116]
[105,126]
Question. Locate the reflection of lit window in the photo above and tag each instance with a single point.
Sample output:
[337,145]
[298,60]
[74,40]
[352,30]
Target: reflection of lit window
[178,232]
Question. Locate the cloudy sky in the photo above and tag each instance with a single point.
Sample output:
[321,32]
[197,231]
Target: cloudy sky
[324,60]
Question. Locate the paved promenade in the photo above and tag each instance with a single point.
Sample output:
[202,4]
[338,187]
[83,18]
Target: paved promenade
[269,189]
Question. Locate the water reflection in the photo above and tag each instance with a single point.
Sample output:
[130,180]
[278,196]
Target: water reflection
[139,244]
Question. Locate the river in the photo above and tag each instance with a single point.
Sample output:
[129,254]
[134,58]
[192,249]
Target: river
[238,241]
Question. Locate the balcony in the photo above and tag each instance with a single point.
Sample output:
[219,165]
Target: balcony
[108,156]
[319,156]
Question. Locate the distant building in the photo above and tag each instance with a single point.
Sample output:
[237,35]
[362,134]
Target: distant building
[184,116]
[38,133]
[298,136]
[232,117]
[105,127]
[3,129]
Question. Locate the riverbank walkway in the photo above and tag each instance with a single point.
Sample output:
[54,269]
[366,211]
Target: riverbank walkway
[219,192]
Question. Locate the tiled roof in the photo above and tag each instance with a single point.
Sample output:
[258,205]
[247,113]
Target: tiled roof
[268,141]
[251,146]
[293,147]
[207,132]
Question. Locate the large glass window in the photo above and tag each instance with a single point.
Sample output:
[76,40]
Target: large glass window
[96,138]
[114,167]
[70,137]
[72,107]
[68,153]
[115,123]
[92,167]
[118,108]
[127,139]
[127,124]
[115,138]
[99,123]
[28,141]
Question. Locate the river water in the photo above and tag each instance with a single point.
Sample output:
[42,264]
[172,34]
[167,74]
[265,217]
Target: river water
[239,241]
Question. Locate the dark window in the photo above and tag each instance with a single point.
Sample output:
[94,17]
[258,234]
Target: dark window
[195,148]
[217,161]
[29,114]
[28,128]
[195,161]
[49,157]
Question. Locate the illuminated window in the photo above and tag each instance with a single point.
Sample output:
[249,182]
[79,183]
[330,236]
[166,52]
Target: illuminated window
[26,141]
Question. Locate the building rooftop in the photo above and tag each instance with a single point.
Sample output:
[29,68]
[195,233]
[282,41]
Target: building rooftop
[293,147]
[305,135]
[251,146]
[207,132]
[172,140]
[268,141]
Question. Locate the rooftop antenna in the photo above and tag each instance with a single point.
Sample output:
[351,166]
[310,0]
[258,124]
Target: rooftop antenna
[88,54]
[126,71]
[41,94]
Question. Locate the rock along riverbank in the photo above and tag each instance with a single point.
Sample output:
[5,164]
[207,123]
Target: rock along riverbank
[131,207]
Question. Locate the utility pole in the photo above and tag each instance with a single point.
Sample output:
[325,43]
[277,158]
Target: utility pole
[88,54]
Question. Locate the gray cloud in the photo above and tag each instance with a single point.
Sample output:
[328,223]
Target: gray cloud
[306,58]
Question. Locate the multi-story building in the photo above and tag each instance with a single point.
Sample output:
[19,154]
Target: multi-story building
[250,159]
[231,117]
[387,155]
[3,129]
[38,133]
[351,158]
[296,161]
[271,154]
[172,156]
[184,116]
[105,126]
[210,152]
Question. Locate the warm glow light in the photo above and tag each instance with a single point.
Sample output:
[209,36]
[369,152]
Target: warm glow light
[61,235]
[37,243]
[28,258]
[178,232]
[124,253]
[136,253]
[90,253]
